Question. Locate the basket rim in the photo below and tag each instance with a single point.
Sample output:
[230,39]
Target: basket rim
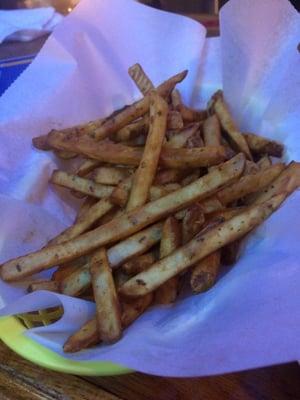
[12,334]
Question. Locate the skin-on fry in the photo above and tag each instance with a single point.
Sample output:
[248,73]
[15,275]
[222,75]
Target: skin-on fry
[92,215]
[212,131]
[200,247]
[139,141]
[131,310]
[81,185]
[170,240]
[190,115]
[204,273]
[136,110]
[179,139]
[261,145]
[68,268]
[107,304]
[140,78]
[229,125]
[125,225]
[190,178]
[138,264]
[120,194]
[135,245]
[156,192]
[145,173]
[41,143]
[87,166]
[192,222]
[264,162]
[52,286]
[249,184]
[85,206]
[110,175]
[86,336]
[133,130]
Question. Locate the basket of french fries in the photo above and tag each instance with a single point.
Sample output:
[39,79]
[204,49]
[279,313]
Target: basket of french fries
[167,196]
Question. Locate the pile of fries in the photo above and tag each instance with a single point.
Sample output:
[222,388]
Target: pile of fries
[169,193]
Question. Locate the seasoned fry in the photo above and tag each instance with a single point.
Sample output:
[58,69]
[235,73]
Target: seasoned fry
[194,141]
[52,286]
[250,168]
[170,240]
[87,166]
[171,175]
[264,162]
[81,185]
[190,115]
[41,143]
[176,99]
[212,131]
[210,205]
[261,145]
[139,141]
[191,178]
[86,336]
[136,110]
[67,269]
[92,215]
[126,225]
[131,310]
[107,304]
[65,155]
[120,194]
[77,282]
[178,140]
[204,273]
[249,184]
[140,78]
[110,175]
[133,130]
[192,222]
[174,120]
[229,125]
[145,173]
[85,206]
[138,264]
[200,247]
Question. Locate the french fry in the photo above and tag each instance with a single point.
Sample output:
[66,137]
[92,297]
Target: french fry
[169,176]
[65,155]
[174,120]
[212,131]
[67,269]
[110,175]
[199,247]
[249,184]
[120,194]
[41,143]
[133,130]
[195,141]
[229,125]
[210,205]
[125,225]
[145,173]
[84,207]
[120,278]
[170,240]
[131,310]
[81,185]
[138,264]
[140,78]
[190,115]
[191,178]
[156,192]
[87,166]
[192,222]
[250,168]
[52,286]
[179,139]
[135,245]
[264,162]
[260,145]
[139,141]
[176,99]
[108,313]
[86,336]
[83,223]
[136,110]
[204,273]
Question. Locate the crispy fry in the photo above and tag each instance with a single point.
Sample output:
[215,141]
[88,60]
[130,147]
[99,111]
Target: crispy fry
[126,225]
[41,143]
[178,140]
[249,184]
[192,222]
[171,239]
[204,273]
[81,185]
[261,145]
[131,310]
[140,78]
[136,110]
[229,125]
[174,120]
[199,247]
[120,278]
[67,269]
[171,175]
[191,178]
[87,166]
[107,304]
[92,215]
[212,131]
[264,162]
[65,155]
[85,206]
[110,175]
[176,99]
[133,130]
[145,173]
[195,141]
[120,194]
[85,337]
[52,286]
[210,205]
[139,141]
[190,115]
[250,168]
[138,264]
[77,282]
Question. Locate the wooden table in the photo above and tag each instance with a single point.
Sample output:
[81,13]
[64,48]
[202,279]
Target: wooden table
[21,380]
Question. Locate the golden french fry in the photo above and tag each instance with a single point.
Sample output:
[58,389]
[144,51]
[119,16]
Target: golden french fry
[138,264]
[178,140]
[81,185]
[174,120]
[140,78]
[139,141]
[195,141]
[176,99]
[67,269]
[85,206]
[52,286]
[212,131]
[190,115]
[261,145]
[171,175]
[65,155]
[204,273]
[191,178]
[135,245]
[125,225]
[85,337]
[170,240]
[108,313]
[264,162]
[131,310]
[110,175]
[145,173]
[87,166]
[41,143]
[136,110]
[210,205]
[133,130]
[156,192]
[199,247]
[249,184]
[229,125]
[250,168]
[83,223]
[192,222]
